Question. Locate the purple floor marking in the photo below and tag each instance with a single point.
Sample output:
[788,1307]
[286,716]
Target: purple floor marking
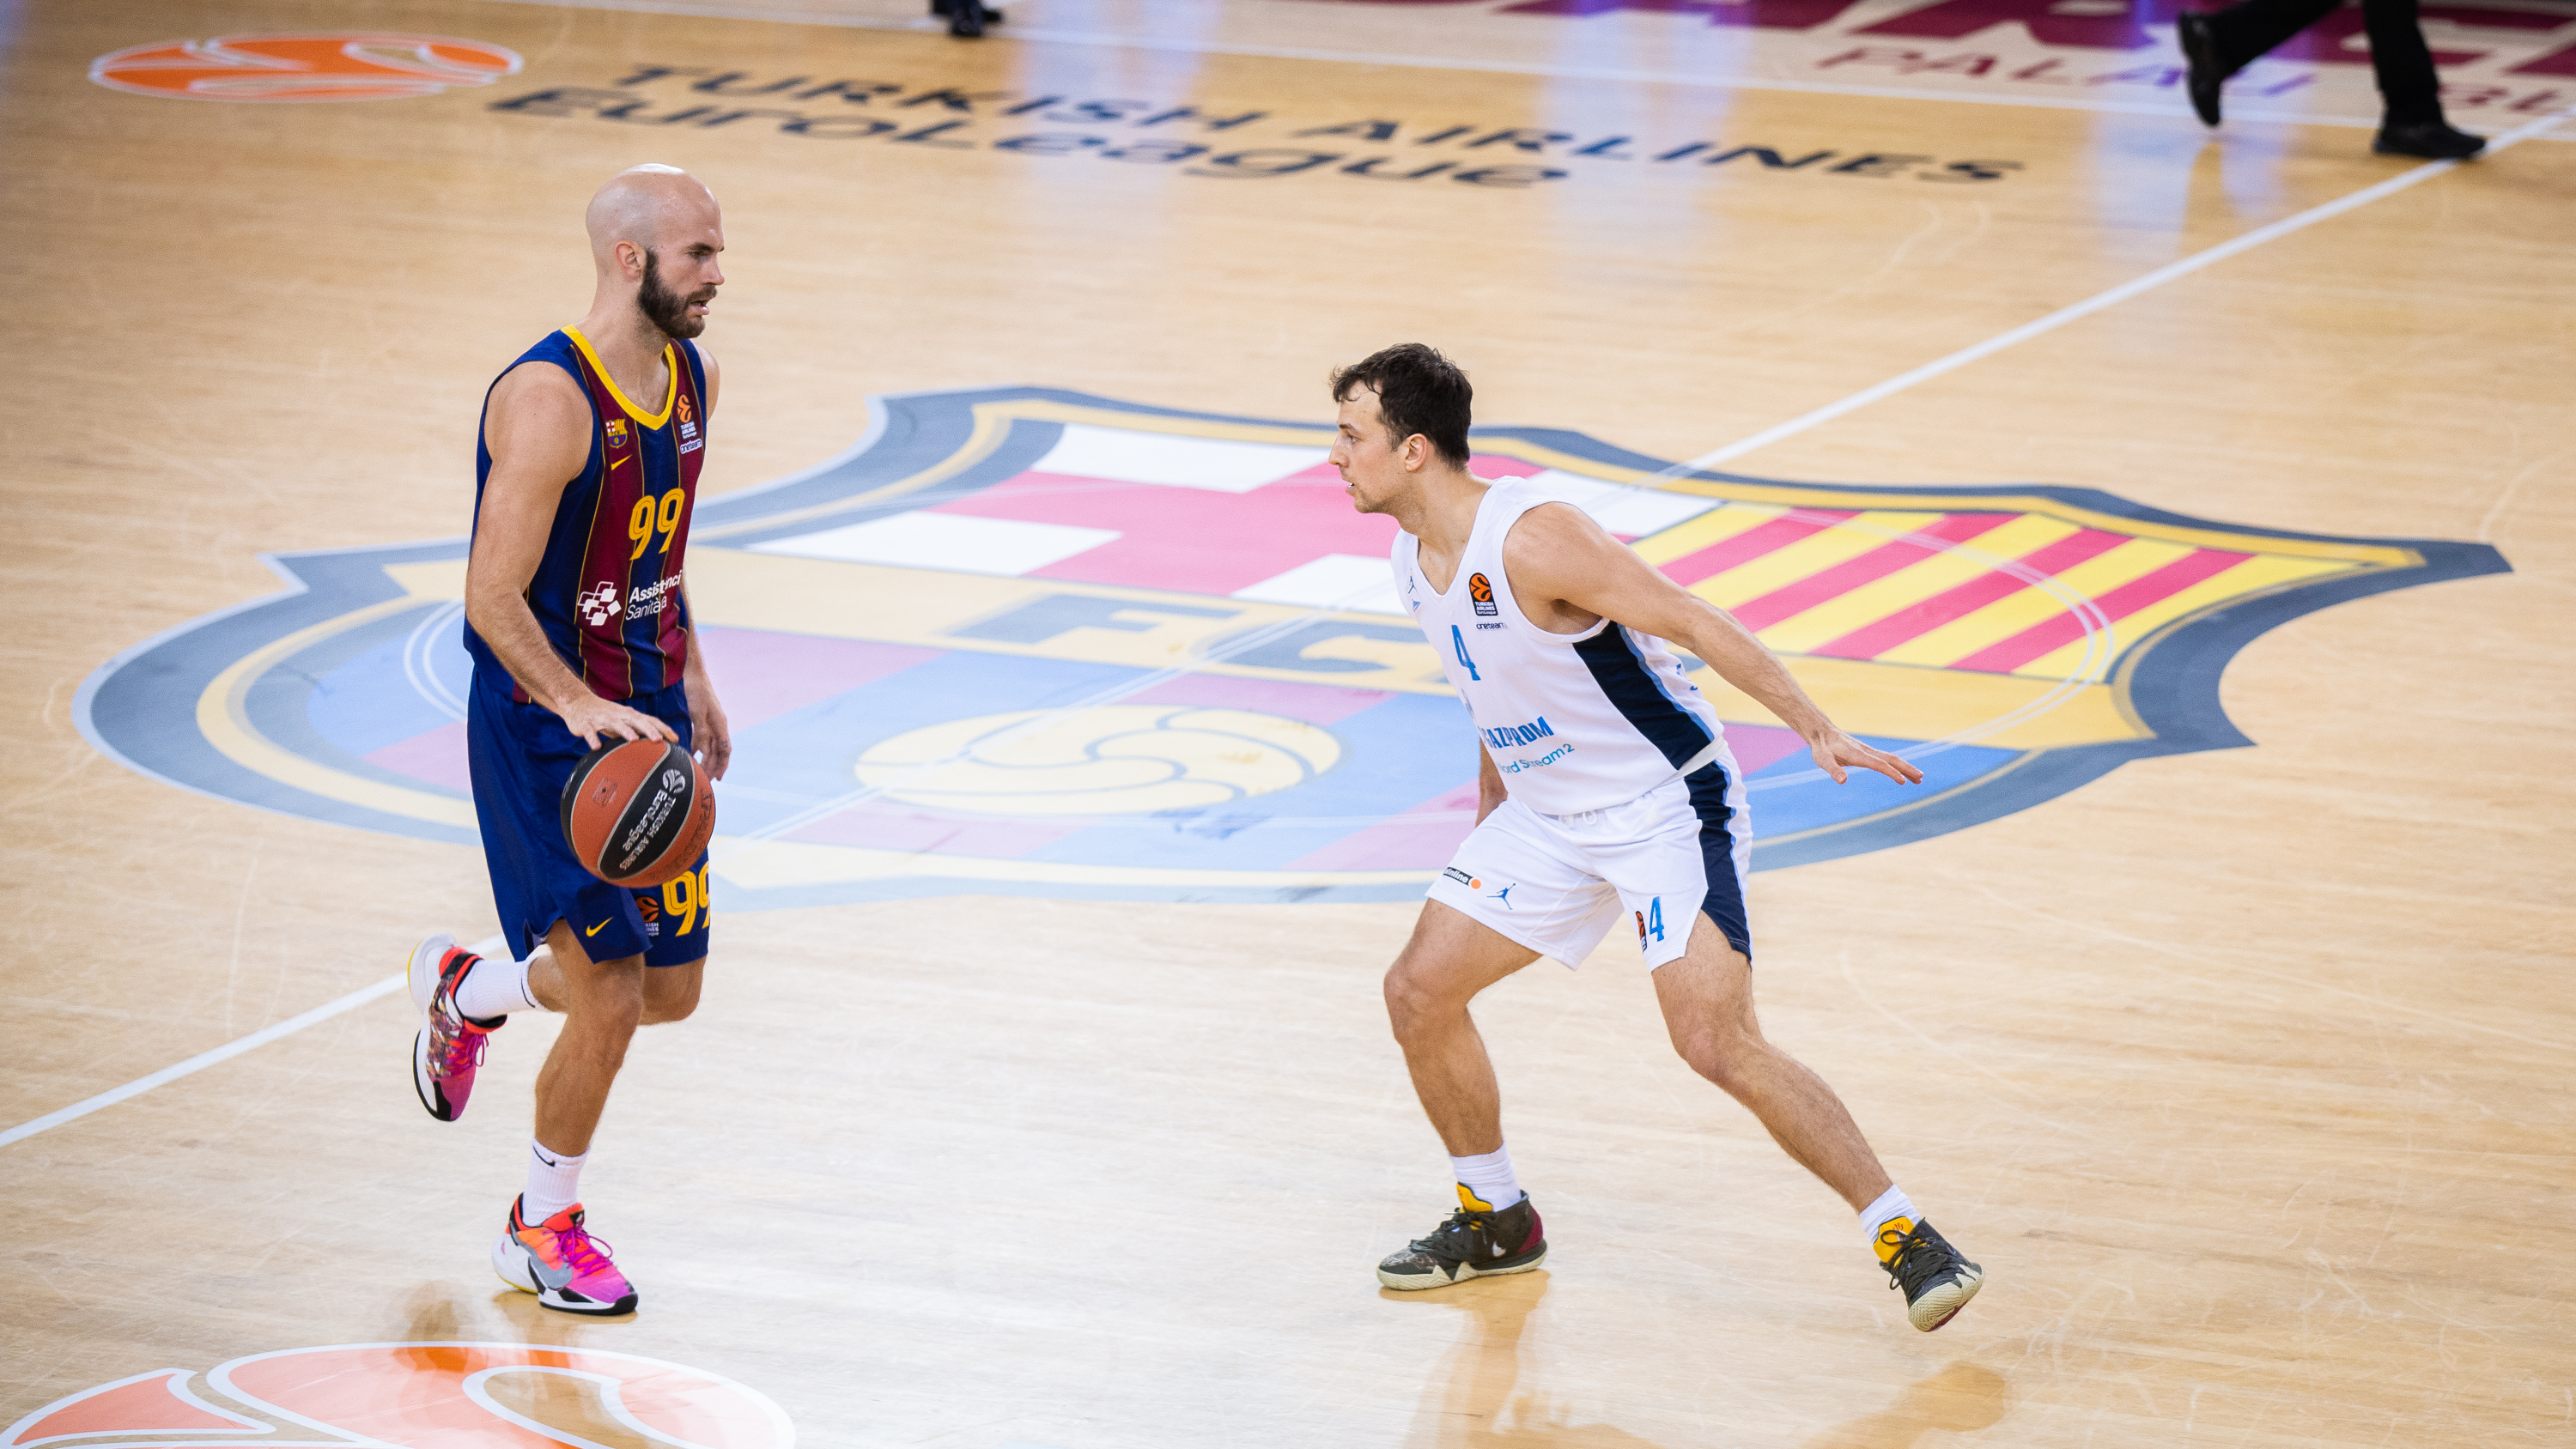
[435,756]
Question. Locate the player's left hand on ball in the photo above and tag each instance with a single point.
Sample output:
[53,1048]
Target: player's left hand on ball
[1835,750]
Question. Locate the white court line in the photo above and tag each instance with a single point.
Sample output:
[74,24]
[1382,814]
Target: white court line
[695,9]
[2095,303]
[1767,436]
[224,1053]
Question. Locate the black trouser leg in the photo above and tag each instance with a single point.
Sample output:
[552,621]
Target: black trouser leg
[2408,89]
[2244,32]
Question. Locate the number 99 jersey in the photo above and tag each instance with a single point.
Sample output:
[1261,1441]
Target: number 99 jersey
[607,591]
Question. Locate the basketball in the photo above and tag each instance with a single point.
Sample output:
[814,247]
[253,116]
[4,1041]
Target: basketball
[638,812]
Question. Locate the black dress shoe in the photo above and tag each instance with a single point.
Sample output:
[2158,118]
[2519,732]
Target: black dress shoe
[2200,54]
[966,18]
[2432,140]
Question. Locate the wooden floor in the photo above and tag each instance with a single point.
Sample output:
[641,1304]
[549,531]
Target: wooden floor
[2242,1071]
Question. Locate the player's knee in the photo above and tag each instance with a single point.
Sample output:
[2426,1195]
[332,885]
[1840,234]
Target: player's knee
[677,1002]
[610,1008]
[1409,1000]
[622,1016]
[1722,1057]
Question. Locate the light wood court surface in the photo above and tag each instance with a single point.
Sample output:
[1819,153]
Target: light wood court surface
[2243,1072]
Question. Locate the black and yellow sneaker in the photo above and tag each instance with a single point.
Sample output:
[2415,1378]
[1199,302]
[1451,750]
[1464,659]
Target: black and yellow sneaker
[1479,1241]
[1937,1281]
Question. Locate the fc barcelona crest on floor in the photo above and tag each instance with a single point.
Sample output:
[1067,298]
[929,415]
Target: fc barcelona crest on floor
[1036,642]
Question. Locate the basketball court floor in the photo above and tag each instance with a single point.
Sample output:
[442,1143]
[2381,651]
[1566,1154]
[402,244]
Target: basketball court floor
[2195,508]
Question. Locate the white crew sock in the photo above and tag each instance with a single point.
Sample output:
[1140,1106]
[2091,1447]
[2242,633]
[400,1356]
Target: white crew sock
[1489,1177]
[494,986]
[554,1183]
[1891,1205]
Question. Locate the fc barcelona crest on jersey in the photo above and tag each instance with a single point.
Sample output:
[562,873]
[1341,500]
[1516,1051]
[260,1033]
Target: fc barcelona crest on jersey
[1039,642]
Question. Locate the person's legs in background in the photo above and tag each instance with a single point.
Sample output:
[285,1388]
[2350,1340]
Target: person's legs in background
[2410,92]
[2221,43]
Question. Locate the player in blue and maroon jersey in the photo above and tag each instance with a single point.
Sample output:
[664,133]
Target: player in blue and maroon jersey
[580,631]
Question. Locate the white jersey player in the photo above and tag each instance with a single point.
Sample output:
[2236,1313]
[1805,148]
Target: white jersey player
[1608,798]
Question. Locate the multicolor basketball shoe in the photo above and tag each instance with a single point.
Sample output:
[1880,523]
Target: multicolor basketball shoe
[449,1046]
[1937,1281]
[560,1262]
[1478,1241]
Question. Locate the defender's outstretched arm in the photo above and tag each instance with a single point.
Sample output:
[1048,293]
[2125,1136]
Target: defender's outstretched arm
[1558,554]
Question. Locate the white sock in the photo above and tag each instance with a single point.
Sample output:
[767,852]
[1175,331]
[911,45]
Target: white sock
[554,1183]
[1891,1205]
[494,986]
[1489,1177]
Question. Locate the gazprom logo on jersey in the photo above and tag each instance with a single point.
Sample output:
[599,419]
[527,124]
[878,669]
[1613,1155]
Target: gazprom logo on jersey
[1038,642]
[1507,737]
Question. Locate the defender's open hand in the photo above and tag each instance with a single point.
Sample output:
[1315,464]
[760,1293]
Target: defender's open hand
[1834,750]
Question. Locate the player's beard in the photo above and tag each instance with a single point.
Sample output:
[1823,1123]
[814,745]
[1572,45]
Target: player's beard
[665,308]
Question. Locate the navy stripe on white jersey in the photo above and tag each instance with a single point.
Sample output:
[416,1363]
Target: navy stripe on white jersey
[1620,669]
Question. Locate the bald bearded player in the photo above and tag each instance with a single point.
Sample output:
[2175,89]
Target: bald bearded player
[581,633]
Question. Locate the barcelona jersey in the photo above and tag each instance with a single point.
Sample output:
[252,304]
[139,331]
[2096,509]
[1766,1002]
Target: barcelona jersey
[607,592]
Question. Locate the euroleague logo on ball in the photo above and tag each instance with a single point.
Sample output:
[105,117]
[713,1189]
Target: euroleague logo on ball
[349,65]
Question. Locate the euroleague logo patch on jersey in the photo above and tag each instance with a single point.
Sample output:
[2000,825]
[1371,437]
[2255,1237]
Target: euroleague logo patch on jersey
[1039,642]
[346,65]
[1480,592]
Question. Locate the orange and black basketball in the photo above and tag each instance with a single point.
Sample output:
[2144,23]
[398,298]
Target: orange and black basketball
[638,812]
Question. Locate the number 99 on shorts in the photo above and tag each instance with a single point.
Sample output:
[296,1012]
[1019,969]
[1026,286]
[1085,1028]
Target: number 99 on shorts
[680,901]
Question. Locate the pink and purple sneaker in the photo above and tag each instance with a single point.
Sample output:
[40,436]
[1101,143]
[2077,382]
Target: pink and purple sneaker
[449,1047]
[560,1262]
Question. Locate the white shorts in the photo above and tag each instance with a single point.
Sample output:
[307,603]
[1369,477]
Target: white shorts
[1558,883]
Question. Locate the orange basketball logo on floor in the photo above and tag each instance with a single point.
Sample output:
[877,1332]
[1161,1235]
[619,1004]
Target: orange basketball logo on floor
[353,65]
[421,1394]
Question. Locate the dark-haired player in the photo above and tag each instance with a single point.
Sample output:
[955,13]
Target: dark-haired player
[1608,798]
[580,633]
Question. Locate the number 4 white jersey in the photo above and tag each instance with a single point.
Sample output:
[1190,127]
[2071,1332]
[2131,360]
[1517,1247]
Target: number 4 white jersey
[1575,722]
